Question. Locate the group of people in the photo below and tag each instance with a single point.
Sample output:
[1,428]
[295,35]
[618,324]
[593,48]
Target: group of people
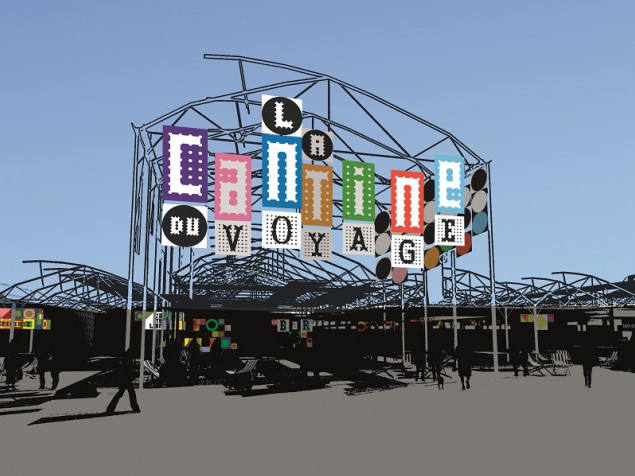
[46,362]
[462,363]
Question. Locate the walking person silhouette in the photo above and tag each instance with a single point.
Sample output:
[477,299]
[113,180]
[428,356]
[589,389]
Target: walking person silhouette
[463,362]
[589,359]
[124,374]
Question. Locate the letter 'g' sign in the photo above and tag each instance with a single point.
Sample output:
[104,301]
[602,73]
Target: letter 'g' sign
[184,225]
[184,164]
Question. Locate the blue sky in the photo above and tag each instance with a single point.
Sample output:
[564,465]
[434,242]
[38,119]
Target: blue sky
[543,89]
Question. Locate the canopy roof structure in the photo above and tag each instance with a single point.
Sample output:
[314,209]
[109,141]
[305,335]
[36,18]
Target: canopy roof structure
[564,289]
[252,282]
[71,285]
[365,128]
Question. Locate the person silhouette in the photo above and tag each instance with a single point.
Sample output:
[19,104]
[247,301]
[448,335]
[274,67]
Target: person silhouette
[435,355]
[43,358]
[11,365]
[124,375]
[463,362]
[194,351]
[419,360]
[589,359]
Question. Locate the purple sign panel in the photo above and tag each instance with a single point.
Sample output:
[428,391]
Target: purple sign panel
[184,164]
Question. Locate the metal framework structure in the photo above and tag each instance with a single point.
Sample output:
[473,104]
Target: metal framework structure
[365,127]
[565,290]
[71,285]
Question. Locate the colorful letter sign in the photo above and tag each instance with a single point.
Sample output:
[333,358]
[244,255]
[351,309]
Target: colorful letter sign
[316,244]
[281,230]
[184,225]
[407,251]
[317,145]
[358,191]
[406,192]
[281,171]
[233,238]
[449,181]
[317,206]
[184,164]
[281,116]
[358,239]
[233,187]
[449,230]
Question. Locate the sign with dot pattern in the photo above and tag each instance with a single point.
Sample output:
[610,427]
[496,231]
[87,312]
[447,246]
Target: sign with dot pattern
[281,229]
[184,164]
[233,187]
[233,238]
[358,239]
[449,230]
[317,202]
[407,251]
[358,191]
[406,194]
[316,244]
[184,226]
[449,193]
[281,116]
[317,145]
[281,171]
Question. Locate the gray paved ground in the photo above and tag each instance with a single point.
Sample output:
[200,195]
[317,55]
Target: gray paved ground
[535,426]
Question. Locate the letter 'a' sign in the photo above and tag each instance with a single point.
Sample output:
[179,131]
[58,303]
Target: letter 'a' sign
[233,187]
[449,184]
[317,145]
[406,191]
[184,164]
[184,225]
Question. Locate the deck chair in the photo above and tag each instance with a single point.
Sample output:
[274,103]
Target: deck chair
[242,379]
[560,363]
[30,367]
[609,361]
[536,368]
[152,369]
[446,359]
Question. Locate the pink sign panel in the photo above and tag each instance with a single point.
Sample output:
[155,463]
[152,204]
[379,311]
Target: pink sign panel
[233,187]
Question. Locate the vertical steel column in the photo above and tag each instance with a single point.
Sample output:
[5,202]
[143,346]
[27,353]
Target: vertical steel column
[383,283]
[425,309]
[506,332]
[191,273]
[535,310]
[455,322]
[131,253]
[146,266]
[12,324]
[492,273]
[403,330]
